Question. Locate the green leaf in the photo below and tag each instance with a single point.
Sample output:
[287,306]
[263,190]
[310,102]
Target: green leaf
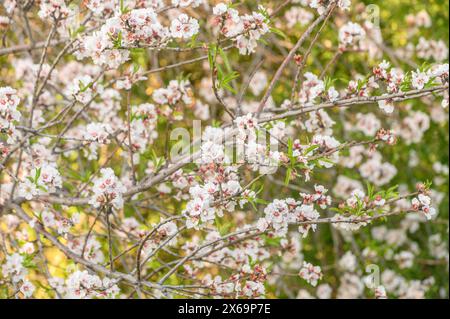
[278,32]
[335,209]
[225,60]
[28,262]
[290,147]
[211,54]
[263,41]
[123,9]
[230,77]
[310,149]
[193,41]
[288,176]
[370,191]
[229,88]
[272,241]
[84,88]
[261,201]
[326,160]
[117,42]
[38,174]
[226,79]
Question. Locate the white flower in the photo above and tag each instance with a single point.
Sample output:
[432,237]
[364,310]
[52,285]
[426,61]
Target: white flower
[351,33]
[8,99]
[305,214]
[350,223]
[27,289]
[41,180]
[405,259]
[82,285]
[247,29]
[27,189]
[173,93]
[312,274]
[298,15]
[184,27]
[100,7]
[92,252]
[440,71]
[262,224]
[344,4]
[348,262]
[81,88]
[53,9]
[137,26]
[107,190]
[381,71]
[187,3]
[380,292]
[246,45]
[9,113]
[333,94]
[27,248]
[258,83]
[253,289]
[379,201]
[220,9]
[328,142]
[419,79]
[424,200]
[422,203]
[49,177]
[324,291]
[97,132]
[312,88]
[13,267]
[386,105]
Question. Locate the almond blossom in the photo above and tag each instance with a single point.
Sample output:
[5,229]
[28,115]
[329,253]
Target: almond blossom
[173,149]
[184,27]
[312,274]
[107,189]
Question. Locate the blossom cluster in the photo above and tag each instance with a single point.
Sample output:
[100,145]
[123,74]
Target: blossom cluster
[83,285]
[246,29]
[316,122]
[211,198]
[44,179]
[15,269]
[422,203]
[237,286]
[281,213]
[312,274]
[9,114]
[108,190]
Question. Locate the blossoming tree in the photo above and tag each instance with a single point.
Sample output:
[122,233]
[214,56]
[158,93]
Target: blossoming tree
[313,161]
